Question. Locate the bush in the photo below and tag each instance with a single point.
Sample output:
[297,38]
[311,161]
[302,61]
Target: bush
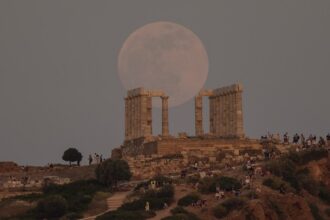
[156,199]
[166,191]
[307,156]
[182,216]
[276,183]
[78,194]
[220,211]
[178,210]
[52,207]
[179,213]
[188,199]
[208,184]
[324,194]
[126,215]
[233,203]
[315,211]
[162,180]
[229,183]
[286,169]
[111,171]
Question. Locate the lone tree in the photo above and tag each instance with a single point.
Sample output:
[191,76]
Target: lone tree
[111,171]
[72,155]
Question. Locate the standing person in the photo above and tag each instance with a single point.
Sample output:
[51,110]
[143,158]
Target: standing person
[321,142]
[90,159]
[101,158]
[328,140]
[286,138]
[302,139]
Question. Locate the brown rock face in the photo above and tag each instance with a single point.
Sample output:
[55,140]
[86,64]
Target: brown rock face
[275,207]
[9,166]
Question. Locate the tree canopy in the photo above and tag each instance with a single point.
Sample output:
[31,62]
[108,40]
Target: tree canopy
[72,155]
[111,171]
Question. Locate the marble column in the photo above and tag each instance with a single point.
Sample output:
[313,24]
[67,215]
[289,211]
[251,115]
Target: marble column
[240,128]
[211,114]
[199,115]
[165,129]
[149,116]
[126,119]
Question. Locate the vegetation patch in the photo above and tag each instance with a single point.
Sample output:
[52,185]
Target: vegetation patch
[209,184]
[189,199]
[126,215]
[179,213]
[324,194]
[315,212]
[155,198]
[306,156]
[63,200]
[276,183]
[111,171]
[220,211]
[224,208]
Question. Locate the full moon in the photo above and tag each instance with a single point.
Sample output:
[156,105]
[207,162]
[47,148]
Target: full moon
[164,56]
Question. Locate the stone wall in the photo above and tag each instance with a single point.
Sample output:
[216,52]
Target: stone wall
[232,153]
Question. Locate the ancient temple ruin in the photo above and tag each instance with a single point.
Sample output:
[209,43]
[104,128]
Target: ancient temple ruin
[225,105]
[225,119]
[226,113]
[138,113]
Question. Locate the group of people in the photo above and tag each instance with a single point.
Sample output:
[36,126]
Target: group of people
[95,159]
[299,139]
[311,140]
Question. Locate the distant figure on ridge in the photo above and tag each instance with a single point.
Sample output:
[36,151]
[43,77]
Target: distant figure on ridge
[90,159]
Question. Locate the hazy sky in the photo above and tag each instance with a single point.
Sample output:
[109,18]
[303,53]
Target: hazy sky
[58,68]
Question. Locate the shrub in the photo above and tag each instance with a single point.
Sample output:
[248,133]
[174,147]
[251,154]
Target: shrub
[324,194]
[161,180]
[166,191]
[178,209]
[312,154]
[315,211]
[208,184]
[182,216]
[276,183]
[156,199]
[126,215]
[52,207]
[78,194]
[220,211]
[111,171]
[229,183]
[233,203]
[286,169]
[188,199]
[179,213]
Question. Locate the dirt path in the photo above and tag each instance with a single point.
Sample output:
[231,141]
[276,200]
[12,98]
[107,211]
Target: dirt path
[113,202]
